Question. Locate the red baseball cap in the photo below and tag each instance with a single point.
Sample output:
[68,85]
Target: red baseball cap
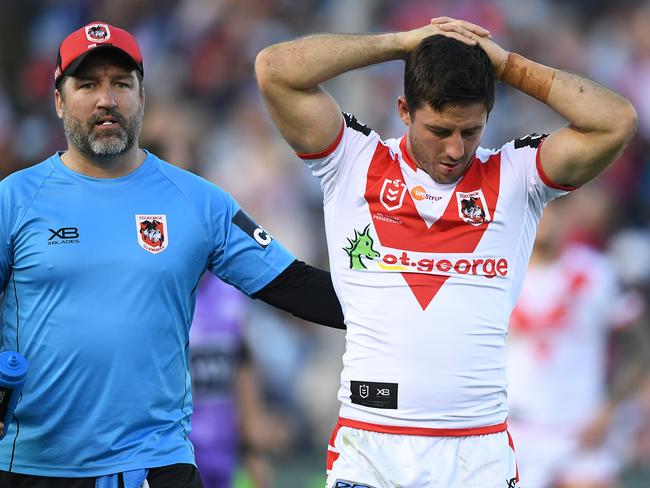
[80,43]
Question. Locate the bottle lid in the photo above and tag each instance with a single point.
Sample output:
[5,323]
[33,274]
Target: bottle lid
[13,365]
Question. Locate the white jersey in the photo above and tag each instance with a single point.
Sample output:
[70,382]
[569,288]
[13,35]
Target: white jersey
[559,332]
[427,275]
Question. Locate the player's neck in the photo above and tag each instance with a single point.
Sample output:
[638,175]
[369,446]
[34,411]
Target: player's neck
[95,167]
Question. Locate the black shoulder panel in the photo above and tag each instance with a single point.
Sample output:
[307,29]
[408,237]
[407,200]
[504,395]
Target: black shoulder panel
[352,122]
[531,140]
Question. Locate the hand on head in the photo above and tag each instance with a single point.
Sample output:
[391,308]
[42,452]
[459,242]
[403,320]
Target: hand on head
[460,30]
[472,34]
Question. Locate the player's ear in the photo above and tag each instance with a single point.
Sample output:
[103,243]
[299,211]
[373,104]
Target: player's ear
[403,111]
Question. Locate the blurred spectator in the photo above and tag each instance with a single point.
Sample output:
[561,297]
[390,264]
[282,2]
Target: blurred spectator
[565,422]
[229,414]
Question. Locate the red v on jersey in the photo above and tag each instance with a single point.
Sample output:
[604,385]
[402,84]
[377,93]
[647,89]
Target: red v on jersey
[449,234]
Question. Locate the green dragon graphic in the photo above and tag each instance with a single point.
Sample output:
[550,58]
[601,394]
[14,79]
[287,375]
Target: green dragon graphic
[360,246]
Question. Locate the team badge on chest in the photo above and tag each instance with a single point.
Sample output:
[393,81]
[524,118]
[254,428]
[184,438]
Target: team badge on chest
[152,232]
[472,207]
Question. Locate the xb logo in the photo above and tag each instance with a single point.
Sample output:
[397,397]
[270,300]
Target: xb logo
[64,233]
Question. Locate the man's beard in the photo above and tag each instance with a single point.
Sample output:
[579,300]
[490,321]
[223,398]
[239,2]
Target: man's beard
[110,142]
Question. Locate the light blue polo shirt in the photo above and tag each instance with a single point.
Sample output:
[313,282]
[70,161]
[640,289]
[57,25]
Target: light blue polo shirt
[99,280]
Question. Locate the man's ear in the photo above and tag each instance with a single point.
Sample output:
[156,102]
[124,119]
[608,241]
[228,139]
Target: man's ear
[58,103]
[403,110]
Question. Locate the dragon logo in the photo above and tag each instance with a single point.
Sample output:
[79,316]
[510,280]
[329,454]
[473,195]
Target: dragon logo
[360,246]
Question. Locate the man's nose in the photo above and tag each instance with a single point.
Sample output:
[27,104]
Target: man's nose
[455,147]
[106,97]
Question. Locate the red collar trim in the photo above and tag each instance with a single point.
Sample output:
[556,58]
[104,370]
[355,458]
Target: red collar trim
[405,153]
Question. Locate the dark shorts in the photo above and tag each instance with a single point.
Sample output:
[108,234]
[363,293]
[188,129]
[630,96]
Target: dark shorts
[173,476]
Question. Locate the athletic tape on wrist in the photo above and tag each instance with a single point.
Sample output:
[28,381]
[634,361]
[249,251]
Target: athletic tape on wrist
[532,78]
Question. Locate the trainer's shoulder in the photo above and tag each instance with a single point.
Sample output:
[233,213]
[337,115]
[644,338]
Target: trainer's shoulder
[27,180]
[194,187]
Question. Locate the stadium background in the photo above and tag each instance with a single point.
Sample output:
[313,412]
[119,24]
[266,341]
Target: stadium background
[204,113]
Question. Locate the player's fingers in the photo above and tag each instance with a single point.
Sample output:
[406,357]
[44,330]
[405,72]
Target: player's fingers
[459,37]
[441,20]
[465,28]
[481,31]
[462,31]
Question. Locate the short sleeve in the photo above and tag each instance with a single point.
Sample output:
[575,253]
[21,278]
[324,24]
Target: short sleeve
[332,163]
[245,254]
[524,156]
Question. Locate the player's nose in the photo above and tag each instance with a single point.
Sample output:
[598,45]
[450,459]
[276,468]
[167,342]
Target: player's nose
[455,147]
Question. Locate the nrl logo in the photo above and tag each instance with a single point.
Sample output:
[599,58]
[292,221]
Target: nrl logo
[152,232]
[472,207]
[392,194]
[360,246]
[364,390]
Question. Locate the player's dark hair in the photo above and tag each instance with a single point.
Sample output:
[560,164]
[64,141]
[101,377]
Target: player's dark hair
[442,71]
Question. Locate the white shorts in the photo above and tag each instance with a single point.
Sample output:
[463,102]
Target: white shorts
[360,458]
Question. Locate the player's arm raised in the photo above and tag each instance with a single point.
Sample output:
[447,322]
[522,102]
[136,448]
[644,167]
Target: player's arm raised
[601,122]
[289,75]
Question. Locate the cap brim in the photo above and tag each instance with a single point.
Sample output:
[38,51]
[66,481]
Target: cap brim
[74,66]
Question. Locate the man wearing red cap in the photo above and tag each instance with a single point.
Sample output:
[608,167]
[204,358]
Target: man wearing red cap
[101,251]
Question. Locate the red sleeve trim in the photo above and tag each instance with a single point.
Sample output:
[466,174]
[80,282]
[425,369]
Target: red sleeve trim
[392,429]
[327,151]
[547,181]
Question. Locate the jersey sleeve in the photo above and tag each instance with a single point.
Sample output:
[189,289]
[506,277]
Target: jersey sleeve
[331,164]
[244,255]
[523,155]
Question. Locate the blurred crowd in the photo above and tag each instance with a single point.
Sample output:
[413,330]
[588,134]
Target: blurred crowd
[204,113]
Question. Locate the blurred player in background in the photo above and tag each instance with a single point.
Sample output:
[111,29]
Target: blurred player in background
[101,250]
[231,427]
[561,410]
[429,236]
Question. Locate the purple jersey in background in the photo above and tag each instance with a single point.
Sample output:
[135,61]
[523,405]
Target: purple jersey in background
[216,350]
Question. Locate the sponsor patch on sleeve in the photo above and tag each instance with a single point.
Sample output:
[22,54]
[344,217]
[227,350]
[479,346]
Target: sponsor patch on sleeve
[242,220]
[352,122]
[531,140]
